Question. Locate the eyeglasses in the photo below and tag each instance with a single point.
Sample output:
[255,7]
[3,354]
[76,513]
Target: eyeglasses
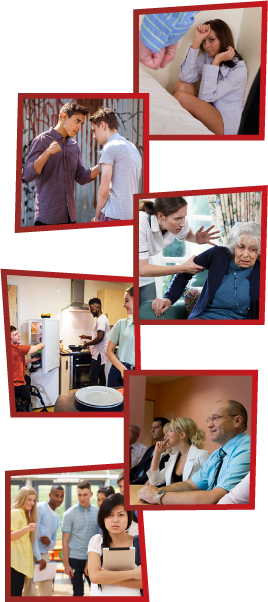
[216,418]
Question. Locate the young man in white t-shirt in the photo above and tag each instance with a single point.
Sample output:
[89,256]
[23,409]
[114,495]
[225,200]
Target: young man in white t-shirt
[98,344]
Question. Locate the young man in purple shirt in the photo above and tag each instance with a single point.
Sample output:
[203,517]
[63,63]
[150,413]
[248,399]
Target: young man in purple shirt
[55,164]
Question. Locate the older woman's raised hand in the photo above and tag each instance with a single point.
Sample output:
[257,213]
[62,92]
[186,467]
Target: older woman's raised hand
[160,306]
[201,32]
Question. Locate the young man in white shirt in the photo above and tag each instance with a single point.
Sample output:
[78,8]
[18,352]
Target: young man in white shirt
[98,344]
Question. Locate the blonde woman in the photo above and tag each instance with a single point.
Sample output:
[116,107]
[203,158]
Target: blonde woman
[187,439]
[122,334]
[23,528]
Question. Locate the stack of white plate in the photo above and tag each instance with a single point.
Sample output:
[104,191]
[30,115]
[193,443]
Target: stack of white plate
[99,397]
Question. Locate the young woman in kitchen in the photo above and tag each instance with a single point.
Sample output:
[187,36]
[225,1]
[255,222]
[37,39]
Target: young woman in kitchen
[122,334]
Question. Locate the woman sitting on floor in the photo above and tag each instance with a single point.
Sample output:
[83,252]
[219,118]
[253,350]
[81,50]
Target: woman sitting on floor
[231,290]
[212,58]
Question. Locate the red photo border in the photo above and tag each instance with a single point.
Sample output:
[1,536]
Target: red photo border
[145,507]
[86,225]
[263,72]
[227,190]
[22,471]
[48,274]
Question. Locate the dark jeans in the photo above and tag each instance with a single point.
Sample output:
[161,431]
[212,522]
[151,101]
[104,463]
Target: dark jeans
[77,580]
[97,373]
[24,391]
[114,378]
[17,582]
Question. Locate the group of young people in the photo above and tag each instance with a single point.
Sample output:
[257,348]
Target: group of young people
[86,531]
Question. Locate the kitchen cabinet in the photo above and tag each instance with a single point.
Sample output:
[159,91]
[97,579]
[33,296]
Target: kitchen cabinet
[112,304]
[64,374]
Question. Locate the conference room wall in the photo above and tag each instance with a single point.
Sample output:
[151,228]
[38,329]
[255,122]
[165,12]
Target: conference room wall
[193,397]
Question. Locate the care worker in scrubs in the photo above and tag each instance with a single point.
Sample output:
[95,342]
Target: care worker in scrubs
[161,222]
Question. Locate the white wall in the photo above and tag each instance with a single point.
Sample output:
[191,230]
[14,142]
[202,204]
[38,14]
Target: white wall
[37,295]
[251,53]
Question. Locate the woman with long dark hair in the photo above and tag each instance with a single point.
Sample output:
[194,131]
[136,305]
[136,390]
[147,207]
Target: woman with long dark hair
[113,521]
[213,60]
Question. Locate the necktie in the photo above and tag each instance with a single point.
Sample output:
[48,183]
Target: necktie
[218,465]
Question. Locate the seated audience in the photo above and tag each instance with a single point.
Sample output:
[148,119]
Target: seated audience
[224,469]
[187,439]
[136,449]
[138,474]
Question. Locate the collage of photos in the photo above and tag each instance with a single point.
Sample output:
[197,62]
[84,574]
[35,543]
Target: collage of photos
[141,419]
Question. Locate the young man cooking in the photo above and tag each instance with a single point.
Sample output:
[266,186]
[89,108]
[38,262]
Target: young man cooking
[98,344]
[54,162]
[120,165]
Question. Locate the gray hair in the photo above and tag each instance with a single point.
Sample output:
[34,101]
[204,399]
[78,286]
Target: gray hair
[247,229]
[136,428]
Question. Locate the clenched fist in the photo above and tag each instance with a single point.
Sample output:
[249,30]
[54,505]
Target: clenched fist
[54,148]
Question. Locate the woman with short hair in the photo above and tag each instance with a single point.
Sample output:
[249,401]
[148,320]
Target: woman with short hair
[231,290]
[213,60]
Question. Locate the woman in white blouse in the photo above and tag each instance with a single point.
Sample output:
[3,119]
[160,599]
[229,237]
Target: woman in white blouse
[161,221]
[187,439]
[213,60]
[114,522]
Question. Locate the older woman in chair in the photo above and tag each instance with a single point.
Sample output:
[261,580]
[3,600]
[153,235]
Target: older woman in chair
[231,290]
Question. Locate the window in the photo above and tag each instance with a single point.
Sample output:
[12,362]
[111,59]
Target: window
[198,214]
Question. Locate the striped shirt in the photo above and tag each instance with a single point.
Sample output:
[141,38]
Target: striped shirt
[164,29]
[81,524]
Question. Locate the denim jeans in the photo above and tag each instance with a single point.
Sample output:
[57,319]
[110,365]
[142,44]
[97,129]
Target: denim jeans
[97,373]
[77,580]
[114,378]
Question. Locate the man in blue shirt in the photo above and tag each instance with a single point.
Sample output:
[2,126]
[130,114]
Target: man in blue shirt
[78,526]
[225,468]
[159,36]
[48,523]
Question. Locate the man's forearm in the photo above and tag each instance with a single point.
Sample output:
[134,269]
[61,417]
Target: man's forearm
[40,162]
[159,270]
[102,197]
[191,498]
[65,553]
[94,172]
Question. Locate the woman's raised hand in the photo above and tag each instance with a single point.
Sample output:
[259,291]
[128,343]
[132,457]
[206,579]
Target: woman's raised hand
[228,55]
[31,527]
[201,32]
[136,573]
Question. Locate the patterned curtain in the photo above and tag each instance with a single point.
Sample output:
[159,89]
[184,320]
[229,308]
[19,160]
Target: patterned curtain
[227,209]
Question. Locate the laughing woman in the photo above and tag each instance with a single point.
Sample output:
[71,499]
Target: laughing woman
[213,60]
[232,287]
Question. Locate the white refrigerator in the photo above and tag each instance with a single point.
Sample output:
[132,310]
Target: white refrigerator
[46,378]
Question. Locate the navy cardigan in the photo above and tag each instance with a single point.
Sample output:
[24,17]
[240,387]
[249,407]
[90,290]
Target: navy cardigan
[216,260]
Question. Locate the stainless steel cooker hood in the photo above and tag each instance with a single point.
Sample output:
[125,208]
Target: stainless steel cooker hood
[77,296]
